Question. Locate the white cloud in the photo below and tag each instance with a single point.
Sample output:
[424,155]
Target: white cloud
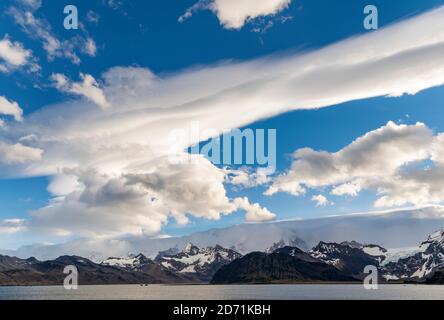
[321,200]
[246,178]
[122,144]
[18,153]
[13,52]
[90,47]
[10,108]
[402,163]
[90,203]
[63,184]
[14,55]
[233,14]
[254,212]
[88,88]
[352,189]
[376,154]
[10,226]
[24,15]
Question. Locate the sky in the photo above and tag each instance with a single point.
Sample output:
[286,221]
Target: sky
[86,113]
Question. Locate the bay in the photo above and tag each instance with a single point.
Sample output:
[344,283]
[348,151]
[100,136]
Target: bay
[225,292]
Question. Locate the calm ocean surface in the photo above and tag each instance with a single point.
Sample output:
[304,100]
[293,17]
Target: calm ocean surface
[232,292]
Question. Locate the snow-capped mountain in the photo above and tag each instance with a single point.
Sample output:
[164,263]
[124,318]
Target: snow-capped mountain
[141,264]
[428,259]
[413,264]
[350,259]
[289,243]
[378,252]
[132,262]
[284,265]
[353,244]
[391,229]
[18,272]
[168,252]
[195,262]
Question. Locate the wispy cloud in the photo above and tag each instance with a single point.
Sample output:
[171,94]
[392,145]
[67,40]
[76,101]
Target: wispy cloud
[24,15]
[321,200]
[88,88]
[13,55]
[10,108]
[10,226]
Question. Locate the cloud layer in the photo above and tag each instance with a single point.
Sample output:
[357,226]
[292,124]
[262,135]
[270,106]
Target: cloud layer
[103,155]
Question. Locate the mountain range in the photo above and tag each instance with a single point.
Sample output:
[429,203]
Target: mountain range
[340,262]
[280,263]
[336,249]
[389,229]
[349,259]
[428,259]
[15,271]
[284,265]
[198,263]
[191,265]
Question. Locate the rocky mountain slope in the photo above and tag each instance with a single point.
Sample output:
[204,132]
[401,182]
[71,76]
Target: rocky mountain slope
[14,271]
[142,264]
[424,263]
[349,259]
[191,265]
[421,265]
[284,265]
[327,261]
[287,243]
[197,263]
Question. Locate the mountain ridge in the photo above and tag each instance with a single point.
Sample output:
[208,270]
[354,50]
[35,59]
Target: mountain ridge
[391,229]
[284,265]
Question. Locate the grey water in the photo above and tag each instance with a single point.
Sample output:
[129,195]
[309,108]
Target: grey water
[225,292]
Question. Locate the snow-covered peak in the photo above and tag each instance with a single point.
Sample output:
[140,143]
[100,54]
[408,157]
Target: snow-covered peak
[351,259]
[199,261]
[131,262]
[352,244]
[374,250]
[436,238]
[296,242]
[326,248]
[191,249]
[427,258]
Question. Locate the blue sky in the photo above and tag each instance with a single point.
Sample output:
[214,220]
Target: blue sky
[147,34]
